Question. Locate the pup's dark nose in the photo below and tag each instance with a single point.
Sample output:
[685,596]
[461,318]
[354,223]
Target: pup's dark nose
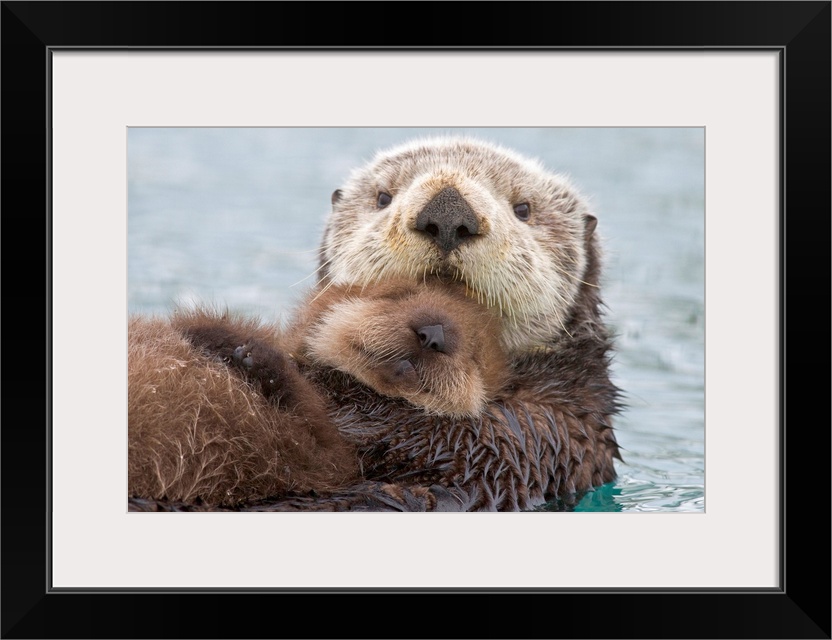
[448,219]
[432,337]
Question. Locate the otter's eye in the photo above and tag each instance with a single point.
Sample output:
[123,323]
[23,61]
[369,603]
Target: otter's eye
[522,211]
[384,199]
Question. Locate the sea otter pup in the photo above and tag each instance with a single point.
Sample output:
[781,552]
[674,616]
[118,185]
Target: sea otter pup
[523,243]
[220,415]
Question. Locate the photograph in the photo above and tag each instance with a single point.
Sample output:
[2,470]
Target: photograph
[575,381]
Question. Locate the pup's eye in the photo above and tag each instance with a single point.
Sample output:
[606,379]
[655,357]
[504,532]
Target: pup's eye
[522,211]
[383,200]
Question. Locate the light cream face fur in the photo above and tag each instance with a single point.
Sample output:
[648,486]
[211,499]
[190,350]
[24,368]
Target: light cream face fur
[374,337]
[529,271]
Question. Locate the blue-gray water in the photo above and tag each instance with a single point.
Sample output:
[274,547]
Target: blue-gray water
[234,216]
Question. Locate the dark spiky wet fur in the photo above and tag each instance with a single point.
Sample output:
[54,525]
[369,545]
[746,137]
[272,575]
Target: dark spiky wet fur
[515,456]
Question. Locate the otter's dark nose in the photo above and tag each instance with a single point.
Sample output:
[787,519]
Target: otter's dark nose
[432,337]
[447,219]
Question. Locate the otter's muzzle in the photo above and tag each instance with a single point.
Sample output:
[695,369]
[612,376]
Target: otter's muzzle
[448,220]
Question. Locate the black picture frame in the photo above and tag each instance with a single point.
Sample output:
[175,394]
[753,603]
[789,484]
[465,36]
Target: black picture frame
[799,608]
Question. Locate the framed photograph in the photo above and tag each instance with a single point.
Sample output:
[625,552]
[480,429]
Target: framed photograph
[233,216]
[699,131]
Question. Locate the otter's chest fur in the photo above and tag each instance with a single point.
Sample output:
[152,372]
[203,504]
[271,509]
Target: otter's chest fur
[516,455]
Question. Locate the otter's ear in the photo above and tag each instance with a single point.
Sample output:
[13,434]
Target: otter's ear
[336,196]
[591,222]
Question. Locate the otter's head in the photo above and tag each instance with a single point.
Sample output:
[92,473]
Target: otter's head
[518,237]
[428,344]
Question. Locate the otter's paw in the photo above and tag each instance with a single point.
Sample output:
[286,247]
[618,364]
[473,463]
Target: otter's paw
[401,372]
[214,339]
[264,365]
[242,357]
